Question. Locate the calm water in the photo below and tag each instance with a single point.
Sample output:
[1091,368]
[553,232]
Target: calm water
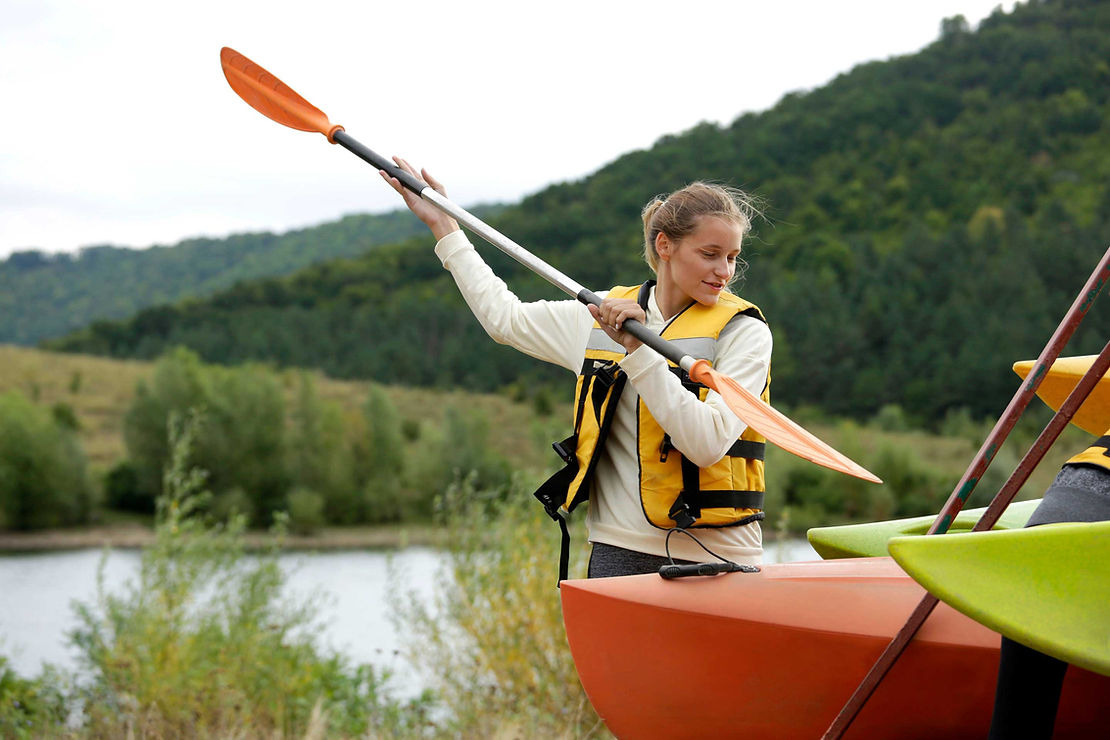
[37,592]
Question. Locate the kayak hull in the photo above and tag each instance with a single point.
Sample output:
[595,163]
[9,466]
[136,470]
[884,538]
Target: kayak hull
[1047,587]
[778,653]
[1060,380]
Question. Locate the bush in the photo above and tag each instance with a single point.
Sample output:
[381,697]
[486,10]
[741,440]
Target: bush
[306,511]
[30,708]
[44,479]
[319,457]
[206,645]
[493,643]
[243,442]
[121,490]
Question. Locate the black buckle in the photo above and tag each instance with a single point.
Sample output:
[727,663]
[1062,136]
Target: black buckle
[550,505]
[566,448]
[604,373]
[680,513]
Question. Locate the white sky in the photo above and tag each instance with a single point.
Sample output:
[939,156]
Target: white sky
[117,126]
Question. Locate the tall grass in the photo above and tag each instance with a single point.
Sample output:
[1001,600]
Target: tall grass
[492,643]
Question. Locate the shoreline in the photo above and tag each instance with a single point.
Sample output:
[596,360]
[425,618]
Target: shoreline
[135,536]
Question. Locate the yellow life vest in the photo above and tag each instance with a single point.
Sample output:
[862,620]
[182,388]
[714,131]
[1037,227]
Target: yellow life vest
[673,491]
[1097,454]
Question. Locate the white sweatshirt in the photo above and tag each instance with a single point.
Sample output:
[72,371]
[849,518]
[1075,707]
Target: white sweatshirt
[557,332]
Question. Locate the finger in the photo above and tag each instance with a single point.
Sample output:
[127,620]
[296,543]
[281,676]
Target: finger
[393,182]
[403,164]
[436,184]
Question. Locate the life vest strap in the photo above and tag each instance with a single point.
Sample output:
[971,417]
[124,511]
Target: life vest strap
[749,449]
[564,552]
[688,506]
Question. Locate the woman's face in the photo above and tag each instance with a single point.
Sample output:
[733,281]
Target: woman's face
[701,264]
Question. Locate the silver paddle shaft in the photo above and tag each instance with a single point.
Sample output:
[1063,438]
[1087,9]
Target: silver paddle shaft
[551,275]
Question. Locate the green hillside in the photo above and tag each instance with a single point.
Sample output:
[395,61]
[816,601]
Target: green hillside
[930,219]
[45,295]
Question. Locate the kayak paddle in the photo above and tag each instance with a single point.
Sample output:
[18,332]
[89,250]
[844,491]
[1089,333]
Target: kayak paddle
[272,98]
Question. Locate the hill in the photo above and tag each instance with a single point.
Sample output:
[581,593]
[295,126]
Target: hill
[46,295]
[100,390]
[930,218]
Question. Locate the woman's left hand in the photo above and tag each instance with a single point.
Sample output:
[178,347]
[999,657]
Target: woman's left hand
[611,315]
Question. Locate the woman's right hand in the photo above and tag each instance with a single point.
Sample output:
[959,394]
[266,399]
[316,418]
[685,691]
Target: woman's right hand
[439,222]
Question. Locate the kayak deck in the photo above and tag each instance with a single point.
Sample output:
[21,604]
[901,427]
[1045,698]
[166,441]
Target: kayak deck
[870,539]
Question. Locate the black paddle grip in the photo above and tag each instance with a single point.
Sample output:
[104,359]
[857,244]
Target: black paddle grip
[674,570]
[638,330]
[348,142]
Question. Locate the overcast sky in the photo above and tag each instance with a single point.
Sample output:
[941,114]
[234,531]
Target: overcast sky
[117,125]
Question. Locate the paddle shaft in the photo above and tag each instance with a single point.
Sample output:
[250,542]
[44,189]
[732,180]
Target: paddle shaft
[1001,500]
[1021,399]
[508,246]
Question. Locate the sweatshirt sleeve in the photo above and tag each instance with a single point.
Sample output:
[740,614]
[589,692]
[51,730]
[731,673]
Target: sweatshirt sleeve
[703,432]
[553,331]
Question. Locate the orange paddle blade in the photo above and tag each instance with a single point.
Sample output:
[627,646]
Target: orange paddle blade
[271,97]
[774,425]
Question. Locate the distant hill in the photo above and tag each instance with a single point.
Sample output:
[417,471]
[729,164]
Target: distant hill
[930,220]
[45,295]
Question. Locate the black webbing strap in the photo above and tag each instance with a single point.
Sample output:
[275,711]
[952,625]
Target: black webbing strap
[749,449]
[688,506]
[564,552]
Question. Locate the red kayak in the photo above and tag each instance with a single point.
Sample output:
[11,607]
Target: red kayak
[776,654]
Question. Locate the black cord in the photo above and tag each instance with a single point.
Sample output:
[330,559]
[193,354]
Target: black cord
[674,570]
[667,544]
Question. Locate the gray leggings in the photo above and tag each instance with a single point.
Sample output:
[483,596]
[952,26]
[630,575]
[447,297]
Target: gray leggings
[608,560]
[1080,493]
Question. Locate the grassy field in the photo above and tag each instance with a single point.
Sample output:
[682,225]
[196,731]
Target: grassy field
[100,390]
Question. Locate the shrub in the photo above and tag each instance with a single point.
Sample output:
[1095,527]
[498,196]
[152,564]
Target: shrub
[306,510]
[44,479]
[206,645]
[243,441]
[121,489]
[318,455]
[493,642]
[30,708]
[381,461]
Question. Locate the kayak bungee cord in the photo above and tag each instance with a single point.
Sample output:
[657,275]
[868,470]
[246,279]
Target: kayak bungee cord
[274,99]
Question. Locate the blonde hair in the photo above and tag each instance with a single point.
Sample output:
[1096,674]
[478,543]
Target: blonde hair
[677,214]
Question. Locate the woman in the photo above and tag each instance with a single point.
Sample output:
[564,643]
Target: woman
[652,454]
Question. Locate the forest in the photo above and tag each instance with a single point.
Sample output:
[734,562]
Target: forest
[928,220]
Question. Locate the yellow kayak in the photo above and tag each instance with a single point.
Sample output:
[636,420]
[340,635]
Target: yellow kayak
[1094,415]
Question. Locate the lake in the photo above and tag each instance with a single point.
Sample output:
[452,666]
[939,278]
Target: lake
[37,591]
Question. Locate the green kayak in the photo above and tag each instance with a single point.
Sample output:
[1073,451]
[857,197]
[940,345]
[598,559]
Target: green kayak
[869,540]
[1047,587]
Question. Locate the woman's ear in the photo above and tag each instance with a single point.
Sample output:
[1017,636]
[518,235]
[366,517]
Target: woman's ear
[663,246]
